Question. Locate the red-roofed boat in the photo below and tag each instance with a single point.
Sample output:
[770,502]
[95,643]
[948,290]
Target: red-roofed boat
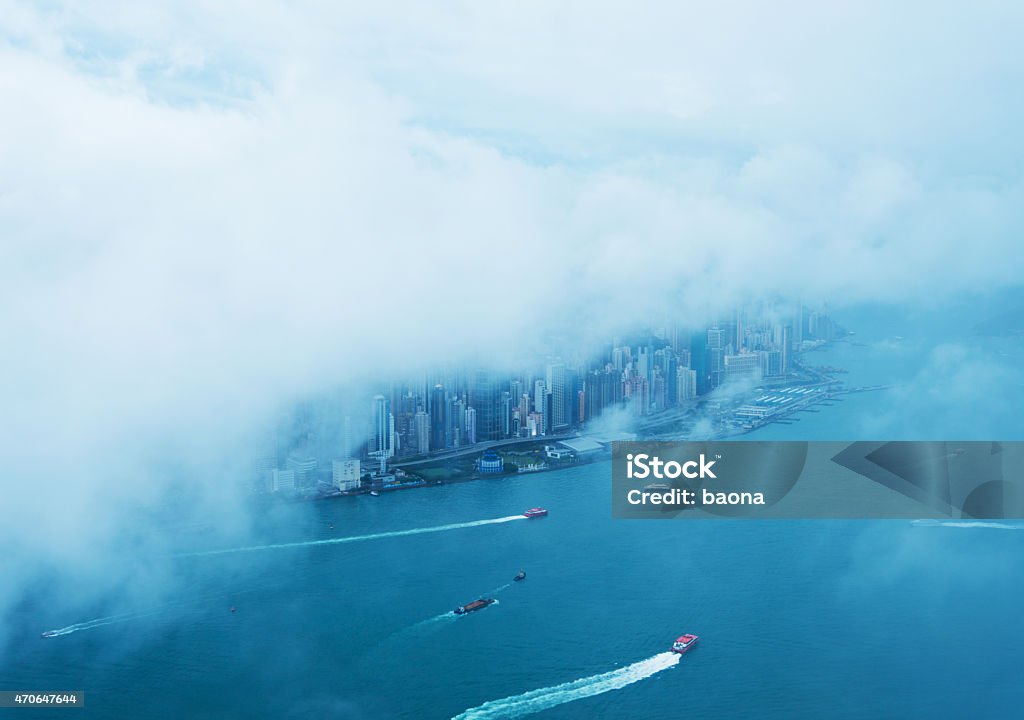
[535,512]
[684,643]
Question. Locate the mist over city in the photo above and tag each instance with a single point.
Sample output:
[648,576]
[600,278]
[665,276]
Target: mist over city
[226,232]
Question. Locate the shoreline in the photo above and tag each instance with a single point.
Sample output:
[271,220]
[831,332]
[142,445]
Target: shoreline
[674,424]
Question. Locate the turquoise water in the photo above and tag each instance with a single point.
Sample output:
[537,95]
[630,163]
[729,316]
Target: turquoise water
[797,619]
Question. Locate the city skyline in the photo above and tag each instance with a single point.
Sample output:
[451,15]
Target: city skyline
[650,373]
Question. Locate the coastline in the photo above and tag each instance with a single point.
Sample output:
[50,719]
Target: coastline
[809,386]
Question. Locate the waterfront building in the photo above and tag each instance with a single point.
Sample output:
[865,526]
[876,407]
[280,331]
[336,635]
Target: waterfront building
[490,462]
[744,366]
[345,473]
[283,481]
[304,468]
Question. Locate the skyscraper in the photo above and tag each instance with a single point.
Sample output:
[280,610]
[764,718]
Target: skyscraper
[383,442]
[539,405]
[437,418]
[787,348]
[556,386]
[699,361]
[470,425]
[485,399]
[421,423]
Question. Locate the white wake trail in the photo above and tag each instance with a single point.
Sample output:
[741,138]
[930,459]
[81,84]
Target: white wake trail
[544,698]
[100,622]
[358,538]
[985,524]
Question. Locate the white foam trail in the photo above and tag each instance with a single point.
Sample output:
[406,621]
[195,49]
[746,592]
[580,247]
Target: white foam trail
[359,538]
[968,524]
[100,622]
[169,606]
[544,698]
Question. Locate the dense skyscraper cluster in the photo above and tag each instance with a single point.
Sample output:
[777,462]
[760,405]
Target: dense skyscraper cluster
[643,375]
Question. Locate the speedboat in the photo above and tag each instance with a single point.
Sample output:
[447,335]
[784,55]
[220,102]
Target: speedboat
[684,643]
[521,575]
[374,493]
[535,512]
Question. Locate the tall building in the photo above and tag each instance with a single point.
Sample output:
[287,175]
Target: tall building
[383,437]
[484,397]
[771,363]
[421,425]
[470,425]
[437,418]
[539,404]
[699,361]
[348,448]
[787,348]
[686,385]
[555,381]
[524,412]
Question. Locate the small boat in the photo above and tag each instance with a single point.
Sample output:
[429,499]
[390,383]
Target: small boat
[521,575]
[475,605]
[535,512]
[684,643]
[374,493]
[49,633]
[232,608]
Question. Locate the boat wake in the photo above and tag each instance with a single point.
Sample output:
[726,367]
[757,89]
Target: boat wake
[358,538]
[985,524]
[544,698]
[167,607]
[445,617]
[99,622]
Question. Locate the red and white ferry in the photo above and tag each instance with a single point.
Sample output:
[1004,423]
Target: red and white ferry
[684,643]
[535,512]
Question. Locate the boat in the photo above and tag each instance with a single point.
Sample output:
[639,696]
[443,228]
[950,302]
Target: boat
[49,633]
[521,575]
[684,643]
[374,493]
[535,512]
[475,605]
